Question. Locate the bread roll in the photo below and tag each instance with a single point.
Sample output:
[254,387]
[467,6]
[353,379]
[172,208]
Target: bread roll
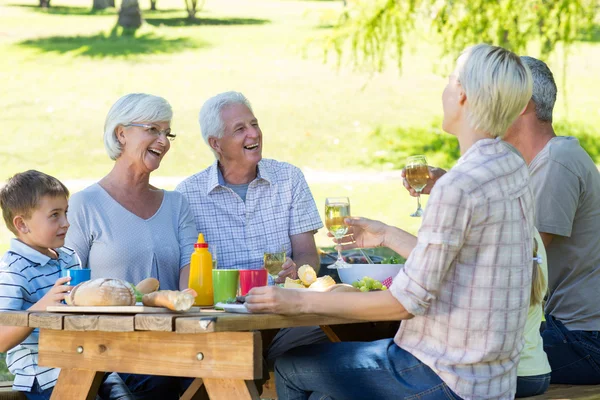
[102,292]
[171,299]
[148,285]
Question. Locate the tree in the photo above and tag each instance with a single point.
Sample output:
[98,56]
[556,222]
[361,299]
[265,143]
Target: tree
[374,27]
[130,15]
[44,3]
[100,4]
[192,7]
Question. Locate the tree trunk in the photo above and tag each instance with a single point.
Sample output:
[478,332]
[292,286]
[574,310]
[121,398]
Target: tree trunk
[153,5]
[190,5]
[45,3]
[130,15]
[100,4]
[111,3]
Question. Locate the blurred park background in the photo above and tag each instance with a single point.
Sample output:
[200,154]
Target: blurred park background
[347,121]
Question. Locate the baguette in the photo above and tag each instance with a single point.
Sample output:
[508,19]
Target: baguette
[171,299]
[101,292]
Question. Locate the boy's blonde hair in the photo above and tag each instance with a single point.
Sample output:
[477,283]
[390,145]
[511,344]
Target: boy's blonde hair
[22,193]
[497,84]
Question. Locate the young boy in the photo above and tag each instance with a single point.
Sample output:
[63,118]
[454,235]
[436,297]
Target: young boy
[34,207]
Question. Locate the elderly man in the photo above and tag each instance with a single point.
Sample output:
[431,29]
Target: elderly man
[566,186]
[247,205]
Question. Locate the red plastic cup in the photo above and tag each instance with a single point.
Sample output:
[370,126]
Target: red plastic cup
[250,278]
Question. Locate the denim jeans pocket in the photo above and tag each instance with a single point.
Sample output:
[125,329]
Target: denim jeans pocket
[439,392]
[589,340]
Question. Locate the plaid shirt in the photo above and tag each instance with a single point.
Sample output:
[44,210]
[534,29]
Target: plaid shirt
[278,204]
[467,282]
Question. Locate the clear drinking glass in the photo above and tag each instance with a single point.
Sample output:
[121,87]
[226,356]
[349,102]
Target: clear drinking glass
[273,260]
[212,249]
[417,175]
[336,209]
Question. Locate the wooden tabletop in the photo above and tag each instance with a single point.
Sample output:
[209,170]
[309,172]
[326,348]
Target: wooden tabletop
[206,321]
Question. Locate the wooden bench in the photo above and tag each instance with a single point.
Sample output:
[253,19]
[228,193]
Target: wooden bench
[6,392]
[570,392]
[556,392]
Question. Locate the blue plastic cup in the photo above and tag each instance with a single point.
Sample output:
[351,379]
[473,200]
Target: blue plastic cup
[77,275]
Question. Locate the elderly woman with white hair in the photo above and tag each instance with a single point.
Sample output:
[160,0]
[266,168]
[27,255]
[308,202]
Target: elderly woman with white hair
[463,293]
[122,226]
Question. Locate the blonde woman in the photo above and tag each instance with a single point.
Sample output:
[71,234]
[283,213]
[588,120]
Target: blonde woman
[464,290]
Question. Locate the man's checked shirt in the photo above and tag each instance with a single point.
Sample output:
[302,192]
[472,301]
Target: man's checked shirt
[467,282]
[278,205]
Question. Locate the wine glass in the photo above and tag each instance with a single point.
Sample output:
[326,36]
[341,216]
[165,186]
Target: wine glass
[273,260]
[417,175]
[336,209]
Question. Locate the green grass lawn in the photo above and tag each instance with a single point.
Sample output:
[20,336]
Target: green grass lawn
[62,70]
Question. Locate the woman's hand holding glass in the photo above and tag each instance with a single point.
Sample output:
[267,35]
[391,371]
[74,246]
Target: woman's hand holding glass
[336,210]
[417,176]
[362,233]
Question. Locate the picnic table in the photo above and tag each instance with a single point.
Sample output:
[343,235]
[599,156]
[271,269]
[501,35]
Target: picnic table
[223,351]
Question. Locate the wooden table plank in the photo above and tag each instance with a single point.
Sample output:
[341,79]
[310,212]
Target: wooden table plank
[77,384]
[116,323]
[81,322]
[229,322]
[159,322]
[46,320]
[235,355]
[231,389]
[14,318]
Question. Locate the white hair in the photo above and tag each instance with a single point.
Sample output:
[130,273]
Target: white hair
[134,107]
[497,84]
[210,118]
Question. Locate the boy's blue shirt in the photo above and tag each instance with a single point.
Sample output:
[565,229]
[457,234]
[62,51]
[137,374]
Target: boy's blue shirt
[26,275]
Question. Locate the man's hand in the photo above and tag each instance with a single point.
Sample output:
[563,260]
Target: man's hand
[434,175]
[289,268]
[273,299]
[363,233]
[55,295]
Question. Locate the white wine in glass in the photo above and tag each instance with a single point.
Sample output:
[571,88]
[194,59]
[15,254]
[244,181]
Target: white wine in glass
[417,175]
[336,209]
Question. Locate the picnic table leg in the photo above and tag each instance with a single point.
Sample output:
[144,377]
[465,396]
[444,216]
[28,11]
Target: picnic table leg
[231,389]
[195,392]
[76,383]
[330,333]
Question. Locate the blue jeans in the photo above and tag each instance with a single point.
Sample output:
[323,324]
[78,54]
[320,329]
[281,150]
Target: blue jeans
[574,356]
[534,385]
[356,370]
[112,388]
[150,387]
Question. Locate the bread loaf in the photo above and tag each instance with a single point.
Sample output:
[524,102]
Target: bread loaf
[102,292]
[171,299]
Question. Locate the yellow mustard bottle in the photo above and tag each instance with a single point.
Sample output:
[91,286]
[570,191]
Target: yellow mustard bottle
[201,273]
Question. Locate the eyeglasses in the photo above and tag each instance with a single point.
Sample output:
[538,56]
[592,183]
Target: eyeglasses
[154,130]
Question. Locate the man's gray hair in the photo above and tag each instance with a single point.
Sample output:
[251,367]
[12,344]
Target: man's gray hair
[497,85]
[210,118]
[134,107]
[544,88]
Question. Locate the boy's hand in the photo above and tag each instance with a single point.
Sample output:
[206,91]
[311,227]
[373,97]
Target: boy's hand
[55,295]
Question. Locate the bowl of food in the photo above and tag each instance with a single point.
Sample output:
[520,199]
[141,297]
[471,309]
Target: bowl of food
[356,272]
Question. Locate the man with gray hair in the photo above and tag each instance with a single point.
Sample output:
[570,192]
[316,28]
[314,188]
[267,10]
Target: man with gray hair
[247,205]
[566,186]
